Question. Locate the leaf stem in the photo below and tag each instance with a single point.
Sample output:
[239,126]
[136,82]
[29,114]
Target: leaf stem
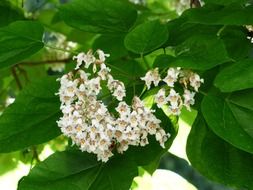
[203,93]
[164,51]
[145,61]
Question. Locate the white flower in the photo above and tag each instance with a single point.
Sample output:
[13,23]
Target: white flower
[84,58]
[162,137]
[175,109]
[116,87]
[102,56]
[80,59]
[137,103]
[188,99]
[89,59]
[133,119]
[144,141]
[160,98]
[119,92]
[152,76]
[67,109]
[94,85]
[195,81]
[172,76]
[83,75]
[173,97]
[104,71]
[123,108]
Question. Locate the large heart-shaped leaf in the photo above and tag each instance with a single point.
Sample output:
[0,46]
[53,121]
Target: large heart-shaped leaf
[31,119]
[231,117]
[74,170]
[235,77]
[146,37]
[217,159]
[99,16]
[200,52]
[180,30]
[18,41]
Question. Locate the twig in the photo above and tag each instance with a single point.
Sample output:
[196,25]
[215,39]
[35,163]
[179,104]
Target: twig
[35,153]
[14,73]
[23,72]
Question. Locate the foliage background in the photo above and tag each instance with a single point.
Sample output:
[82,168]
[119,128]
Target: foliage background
[212,39]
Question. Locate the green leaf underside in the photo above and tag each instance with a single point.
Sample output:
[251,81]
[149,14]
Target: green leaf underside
[235,77]
[220,15]
[75,170]
[146,37]
[231,118]
[18,41]
[32,117]
[217,159]
[99,16]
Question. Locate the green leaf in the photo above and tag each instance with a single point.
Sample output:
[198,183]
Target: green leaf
[217,159]
[220,15]
[18,41]
[9,13]
[31,119]
[235,77]
[234,37]
[99,16]
[146,37]
[201,52]
[114,45]
[164,61]
[74,170]
[231,117]
[180,31]
[198,52]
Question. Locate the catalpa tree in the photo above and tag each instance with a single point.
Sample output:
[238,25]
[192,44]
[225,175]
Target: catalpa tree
[112,77]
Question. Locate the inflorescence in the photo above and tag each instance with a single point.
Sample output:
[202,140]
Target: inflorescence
[188,79]
[90,124]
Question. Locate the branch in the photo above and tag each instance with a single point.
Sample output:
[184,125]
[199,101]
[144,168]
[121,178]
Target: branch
[36,63]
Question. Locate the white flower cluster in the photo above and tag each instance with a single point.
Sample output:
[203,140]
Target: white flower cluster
[174,100]
[87,120]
